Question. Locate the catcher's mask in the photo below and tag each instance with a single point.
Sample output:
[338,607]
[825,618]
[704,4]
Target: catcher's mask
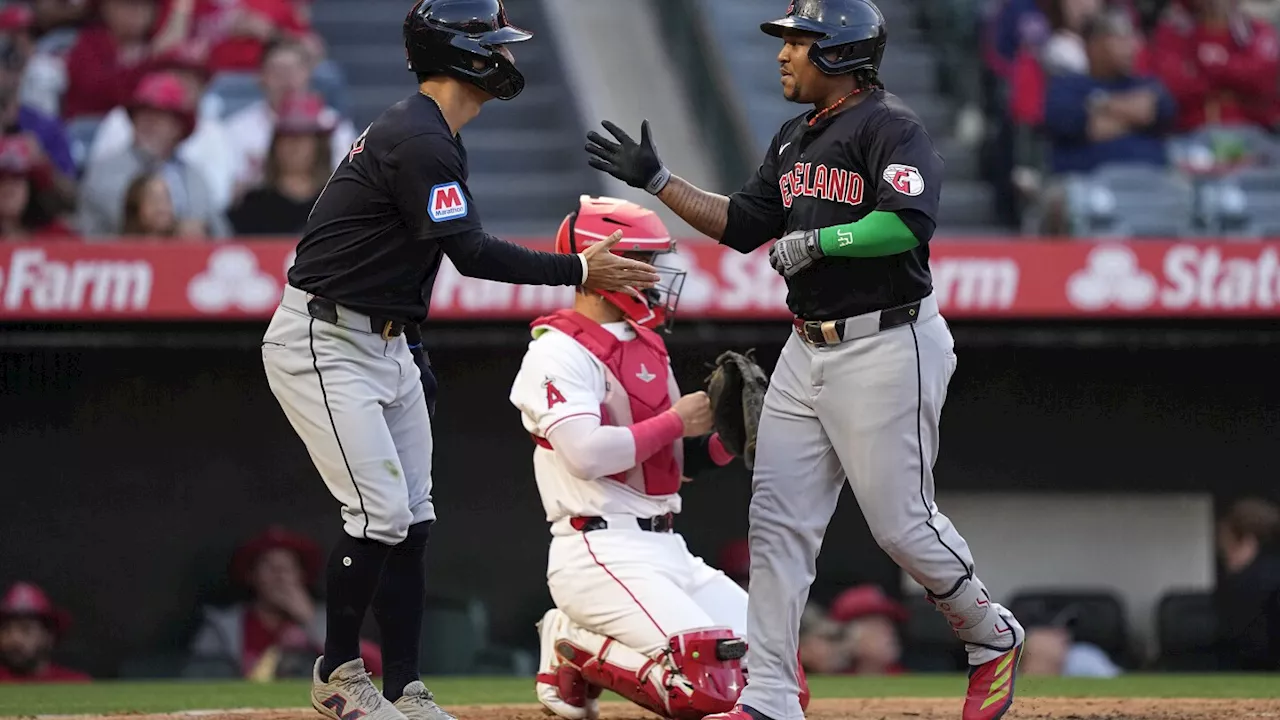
[644,238]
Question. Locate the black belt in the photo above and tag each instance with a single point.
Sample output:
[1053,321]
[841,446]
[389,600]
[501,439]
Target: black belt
[661,523]
[831,332]
[327,311]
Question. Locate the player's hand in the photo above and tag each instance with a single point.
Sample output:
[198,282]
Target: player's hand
[795,252]
[606,271]
[636,164]
[695,410]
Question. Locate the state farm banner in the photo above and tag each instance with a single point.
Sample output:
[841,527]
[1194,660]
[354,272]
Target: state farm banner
[973,279]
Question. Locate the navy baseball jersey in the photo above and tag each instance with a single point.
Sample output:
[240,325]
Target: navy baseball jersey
[396,203]
[875,155]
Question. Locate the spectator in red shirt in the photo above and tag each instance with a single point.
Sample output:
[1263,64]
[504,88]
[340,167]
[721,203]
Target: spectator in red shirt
[280,630]
[871,621]
[1221,65]
[24,213]
[238,31]
[30,627]
[111,56]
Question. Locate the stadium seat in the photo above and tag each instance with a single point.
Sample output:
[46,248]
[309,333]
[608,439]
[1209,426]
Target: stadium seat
[1095,616]
[455,641]
[1186,627]
[1131,201]
[328,80]
[237,90]
[80,133]
[1245,203]
[928,643]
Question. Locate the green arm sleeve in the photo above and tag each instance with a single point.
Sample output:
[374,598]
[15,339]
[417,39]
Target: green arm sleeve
[879,234]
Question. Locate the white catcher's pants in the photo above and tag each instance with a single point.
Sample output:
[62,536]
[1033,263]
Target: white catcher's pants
[357,402]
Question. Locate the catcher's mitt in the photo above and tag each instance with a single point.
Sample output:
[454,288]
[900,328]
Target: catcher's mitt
[736,387]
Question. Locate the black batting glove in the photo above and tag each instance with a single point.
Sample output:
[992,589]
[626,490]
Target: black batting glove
[795,252]
[637,165]
[413,336]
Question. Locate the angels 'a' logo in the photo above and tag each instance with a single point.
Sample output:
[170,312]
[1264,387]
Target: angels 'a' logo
[554,396]
[905,179]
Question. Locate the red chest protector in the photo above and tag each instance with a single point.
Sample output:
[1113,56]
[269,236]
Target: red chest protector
[638,388]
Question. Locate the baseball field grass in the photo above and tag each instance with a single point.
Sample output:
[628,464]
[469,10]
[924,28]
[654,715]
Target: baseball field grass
[919,697]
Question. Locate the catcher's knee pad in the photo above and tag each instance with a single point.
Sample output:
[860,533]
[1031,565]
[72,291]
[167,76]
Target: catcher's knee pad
[709,676]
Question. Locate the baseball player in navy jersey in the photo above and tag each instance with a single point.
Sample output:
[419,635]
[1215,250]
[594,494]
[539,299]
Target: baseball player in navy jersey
[851,188]
[343,351]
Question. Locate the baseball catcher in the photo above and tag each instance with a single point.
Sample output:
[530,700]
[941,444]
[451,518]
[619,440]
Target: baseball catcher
[636,612]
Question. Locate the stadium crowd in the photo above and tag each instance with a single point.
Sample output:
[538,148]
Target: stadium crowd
[1189,88]
[274,626]
[115,122]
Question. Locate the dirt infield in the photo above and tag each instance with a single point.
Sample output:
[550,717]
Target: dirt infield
[862,709]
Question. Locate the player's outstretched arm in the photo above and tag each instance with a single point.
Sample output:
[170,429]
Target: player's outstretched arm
[638,165]
[480,255]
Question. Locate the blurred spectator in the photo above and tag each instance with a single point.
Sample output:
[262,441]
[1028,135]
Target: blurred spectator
[822,647]
[280,630]
[148,210]
[23,213]
[112,55]
[1248,594]
[30,628]
[209,149]
[1019,25]
[870,619]
[298,166]
[44,76]
[1051,649]
[47,137]
[1064,50]
[51,16]
[1110,115]
[1221,65]
[735,561]
[163,114]
[285,73]
[237,32]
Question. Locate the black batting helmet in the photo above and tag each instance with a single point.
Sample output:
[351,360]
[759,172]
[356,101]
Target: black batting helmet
[852,33]
[460,38]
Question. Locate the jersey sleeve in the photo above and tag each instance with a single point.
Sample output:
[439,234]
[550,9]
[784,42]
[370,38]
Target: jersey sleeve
[756,212]
[905,167]
[556,382]
[430,187]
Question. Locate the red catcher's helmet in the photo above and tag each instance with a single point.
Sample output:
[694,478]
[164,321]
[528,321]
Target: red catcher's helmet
[644,237]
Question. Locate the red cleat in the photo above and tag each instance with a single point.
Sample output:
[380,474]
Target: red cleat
[991,687]
[739,712]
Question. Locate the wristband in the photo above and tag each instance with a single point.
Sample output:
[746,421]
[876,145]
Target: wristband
[583,258]
[659,181]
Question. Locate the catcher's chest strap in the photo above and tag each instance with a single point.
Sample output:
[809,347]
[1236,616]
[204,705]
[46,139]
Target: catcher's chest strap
[823,333]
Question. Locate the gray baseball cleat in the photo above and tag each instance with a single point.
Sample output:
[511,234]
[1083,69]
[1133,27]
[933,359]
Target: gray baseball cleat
[417,703]
[350,690]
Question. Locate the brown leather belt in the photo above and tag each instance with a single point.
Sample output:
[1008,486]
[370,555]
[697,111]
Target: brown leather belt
[821,333]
